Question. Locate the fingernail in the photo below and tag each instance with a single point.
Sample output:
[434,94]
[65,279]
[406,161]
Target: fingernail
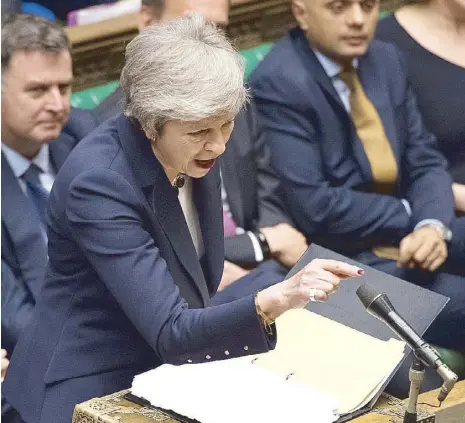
[360,272]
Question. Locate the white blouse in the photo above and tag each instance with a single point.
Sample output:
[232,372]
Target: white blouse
[191,215]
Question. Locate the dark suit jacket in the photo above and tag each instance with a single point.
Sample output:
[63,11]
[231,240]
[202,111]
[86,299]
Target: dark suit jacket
[249,184]
[122,274]
[80,123]
[24,251]
[316,152]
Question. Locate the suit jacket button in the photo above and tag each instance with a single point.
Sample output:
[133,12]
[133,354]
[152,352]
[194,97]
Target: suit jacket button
[208,357]
[246,348]
[189,361]
[226,352]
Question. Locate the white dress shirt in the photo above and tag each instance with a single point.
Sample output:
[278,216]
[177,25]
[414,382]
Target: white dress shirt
[20,164]
[191,215]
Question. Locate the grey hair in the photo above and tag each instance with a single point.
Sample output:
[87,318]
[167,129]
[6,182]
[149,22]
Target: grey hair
[31,33]
[184,70]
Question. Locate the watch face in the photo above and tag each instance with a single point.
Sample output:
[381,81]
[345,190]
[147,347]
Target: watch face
[448,235]
[445,232]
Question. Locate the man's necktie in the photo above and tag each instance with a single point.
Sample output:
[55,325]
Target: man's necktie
[229,225]
[377,147]
[35,190]
[370,130]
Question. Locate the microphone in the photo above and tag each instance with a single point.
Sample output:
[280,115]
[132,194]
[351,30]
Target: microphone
[379,306]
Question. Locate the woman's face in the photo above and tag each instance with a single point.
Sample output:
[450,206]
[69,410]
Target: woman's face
[192,147]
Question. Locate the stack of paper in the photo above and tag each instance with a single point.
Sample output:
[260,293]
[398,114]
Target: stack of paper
[233,391]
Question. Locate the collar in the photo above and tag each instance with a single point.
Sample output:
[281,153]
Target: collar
[19,164]
[332,68]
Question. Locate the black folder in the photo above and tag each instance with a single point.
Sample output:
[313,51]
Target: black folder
[418,306]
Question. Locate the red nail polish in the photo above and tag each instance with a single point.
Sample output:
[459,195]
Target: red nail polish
[361,272]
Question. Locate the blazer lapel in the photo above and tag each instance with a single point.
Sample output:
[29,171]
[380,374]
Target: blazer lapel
[24,228]
[231,182]
[311,63]
[207,196]
[163,200]
[60,149]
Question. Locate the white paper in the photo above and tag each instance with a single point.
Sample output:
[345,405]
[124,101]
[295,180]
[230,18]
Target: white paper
[232,391]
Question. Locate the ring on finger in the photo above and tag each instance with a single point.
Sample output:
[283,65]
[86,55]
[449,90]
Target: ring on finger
[312,292]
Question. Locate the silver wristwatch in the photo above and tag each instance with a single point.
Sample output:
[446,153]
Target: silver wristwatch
[444,231]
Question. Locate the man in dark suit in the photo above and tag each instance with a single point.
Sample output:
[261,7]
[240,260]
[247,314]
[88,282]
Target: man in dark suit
[258,233]
[38,132]
[359,172]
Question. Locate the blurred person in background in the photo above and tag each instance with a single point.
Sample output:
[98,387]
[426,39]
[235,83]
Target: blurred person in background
[360,173]
[36,87]
[432,35]
[258,232]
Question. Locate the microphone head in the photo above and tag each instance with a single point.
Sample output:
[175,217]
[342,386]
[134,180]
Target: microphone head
[367,293]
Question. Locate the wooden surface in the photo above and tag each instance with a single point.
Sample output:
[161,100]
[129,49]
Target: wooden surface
[98,49]
[115,409]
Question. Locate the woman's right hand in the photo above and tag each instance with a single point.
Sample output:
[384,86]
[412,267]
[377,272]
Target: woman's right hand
[317,280]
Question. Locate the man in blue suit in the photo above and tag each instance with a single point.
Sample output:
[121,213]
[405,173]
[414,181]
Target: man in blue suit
[38,132]
[360,174]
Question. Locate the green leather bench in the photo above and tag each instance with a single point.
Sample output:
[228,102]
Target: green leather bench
[91,98]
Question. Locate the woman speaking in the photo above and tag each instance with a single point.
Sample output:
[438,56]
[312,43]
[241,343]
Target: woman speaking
[136,237]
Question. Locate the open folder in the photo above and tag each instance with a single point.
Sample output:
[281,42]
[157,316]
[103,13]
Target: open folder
[338,361]
[335,355]
[418,306]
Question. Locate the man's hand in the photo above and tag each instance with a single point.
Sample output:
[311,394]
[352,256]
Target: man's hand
[286,243]
[5,363]
[459,196]
[231,273]
[423,248]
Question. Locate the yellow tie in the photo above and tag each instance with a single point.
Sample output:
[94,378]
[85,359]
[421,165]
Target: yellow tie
[379,152]
[370,130]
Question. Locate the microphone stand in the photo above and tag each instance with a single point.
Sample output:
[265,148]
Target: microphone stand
[416,375]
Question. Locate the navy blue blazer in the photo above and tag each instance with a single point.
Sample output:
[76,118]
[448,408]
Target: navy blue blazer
[24,250]
[248,182]
[124,289]
[315,149]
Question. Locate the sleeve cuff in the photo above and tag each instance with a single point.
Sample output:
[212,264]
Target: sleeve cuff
[406,204]
[256,247]
[427,222]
